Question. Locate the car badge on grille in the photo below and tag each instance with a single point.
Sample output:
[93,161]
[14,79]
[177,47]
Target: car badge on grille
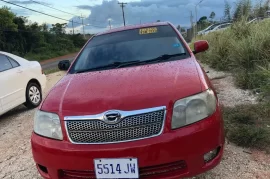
[112,117]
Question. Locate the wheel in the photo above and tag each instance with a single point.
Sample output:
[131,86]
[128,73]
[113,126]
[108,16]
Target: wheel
[33,96]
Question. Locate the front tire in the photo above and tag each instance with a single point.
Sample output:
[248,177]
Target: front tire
[33,96]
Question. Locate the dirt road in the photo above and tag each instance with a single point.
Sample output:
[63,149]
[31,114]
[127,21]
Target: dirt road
[16,127]
[53,63]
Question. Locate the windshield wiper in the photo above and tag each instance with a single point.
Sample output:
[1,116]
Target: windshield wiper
[164,57]
[112,65]
[124,64]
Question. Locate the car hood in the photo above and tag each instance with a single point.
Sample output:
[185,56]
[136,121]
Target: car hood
[129,88]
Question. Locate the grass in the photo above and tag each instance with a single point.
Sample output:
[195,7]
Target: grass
[244,50]
[48,55]
[47,72]
[248,125]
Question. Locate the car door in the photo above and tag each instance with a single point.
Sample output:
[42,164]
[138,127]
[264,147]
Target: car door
[21,78]
[10,90]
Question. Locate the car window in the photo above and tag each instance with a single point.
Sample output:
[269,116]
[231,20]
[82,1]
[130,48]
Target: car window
[13,62]
[225,25]
[214,26]
[4,63]
[130,45]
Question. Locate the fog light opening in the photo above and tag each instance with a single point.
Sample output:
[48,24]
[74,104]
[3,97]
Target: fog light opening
[43,169]
[208,157]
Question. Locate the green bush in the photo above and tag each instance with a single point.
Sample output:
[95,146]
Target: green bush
[36,41]
[255,79]
[48,54]
[248,125]
[241,49]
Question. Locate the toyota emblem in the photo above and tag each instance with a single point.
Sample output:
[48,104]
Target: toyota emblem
[112,117]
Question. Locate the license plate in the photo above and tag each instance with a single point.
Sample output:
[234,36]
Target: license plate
[116,168]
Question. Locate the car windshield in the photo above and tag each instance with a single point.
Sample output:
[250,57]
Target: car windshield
[214,26]
[209,27]
[130,48]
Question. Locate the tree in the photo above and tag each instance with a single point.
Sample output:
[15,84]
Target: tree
[258,10]
[158,20]
[183,29]
[178,28]
[243,9]
[44,27]
[266,5]
[59,29]
[212,16]
[6,26]
[202,19]
[20,36]
[227,11]
[247,6]
[6,20]
[202,23]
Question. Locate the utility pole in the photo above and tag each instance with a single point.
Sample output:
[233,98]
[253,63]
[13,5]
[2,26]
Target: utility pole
[73,26]
[83,26]
[110,24]
[196,11]
[196,24]
[191,22]
[122,5]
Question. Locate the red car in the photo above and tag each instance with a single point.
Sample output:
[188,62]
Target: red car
[135,103]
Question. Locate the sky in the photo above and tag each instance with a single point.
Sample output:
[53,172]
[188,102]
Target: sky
[98,13]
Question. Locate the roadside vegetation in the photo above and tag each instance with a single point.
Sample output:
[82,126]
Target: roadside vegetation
[248,125]
[244,50]
[50,71]
[32,41]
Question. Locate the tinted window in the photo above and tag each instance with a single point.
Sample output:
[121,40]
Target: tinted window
[4,63]
[14,63]
[224,26]
[214,26]
[130,45]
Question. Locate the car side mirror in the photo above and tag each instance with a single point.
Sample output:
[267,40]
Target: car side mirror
[64,65]
[200,46]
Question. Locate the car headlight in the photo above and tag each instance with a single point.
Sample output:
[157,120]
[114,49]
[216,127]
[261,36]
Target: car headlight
[48,125]
[193,109]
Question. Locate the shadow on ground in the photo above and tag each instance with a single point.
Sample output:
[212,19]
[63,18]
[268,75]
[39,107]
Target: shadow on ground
[13,113]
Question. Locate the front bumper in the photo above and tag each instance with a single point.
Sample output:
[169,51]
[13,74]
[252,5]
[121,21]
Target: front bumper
[188,144]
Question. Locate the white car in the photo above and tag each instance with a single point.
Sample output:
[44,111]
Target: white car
[219,28]
[208,28]
[21,82]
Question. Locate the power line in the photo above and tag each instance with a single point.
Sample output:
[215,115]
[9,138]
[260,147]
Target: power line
[47,14]
[53,8]
[58,9]
[34,10]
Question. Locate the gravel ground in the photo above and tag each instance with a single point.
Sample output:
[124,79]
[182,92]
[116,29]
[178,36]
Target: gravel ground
[237,162]
[15,131]
[228,94]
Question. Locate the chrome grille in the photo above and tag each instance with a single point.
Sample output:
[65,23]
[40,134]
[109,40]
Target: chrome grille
[130,128]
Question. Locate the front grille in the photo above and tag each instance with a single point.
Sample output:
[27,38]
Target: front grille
[165,170]
[129,128]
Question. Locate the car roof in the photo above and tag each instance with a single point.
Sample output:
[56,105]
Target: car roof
[130,27]
[224,24]
[20,60]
